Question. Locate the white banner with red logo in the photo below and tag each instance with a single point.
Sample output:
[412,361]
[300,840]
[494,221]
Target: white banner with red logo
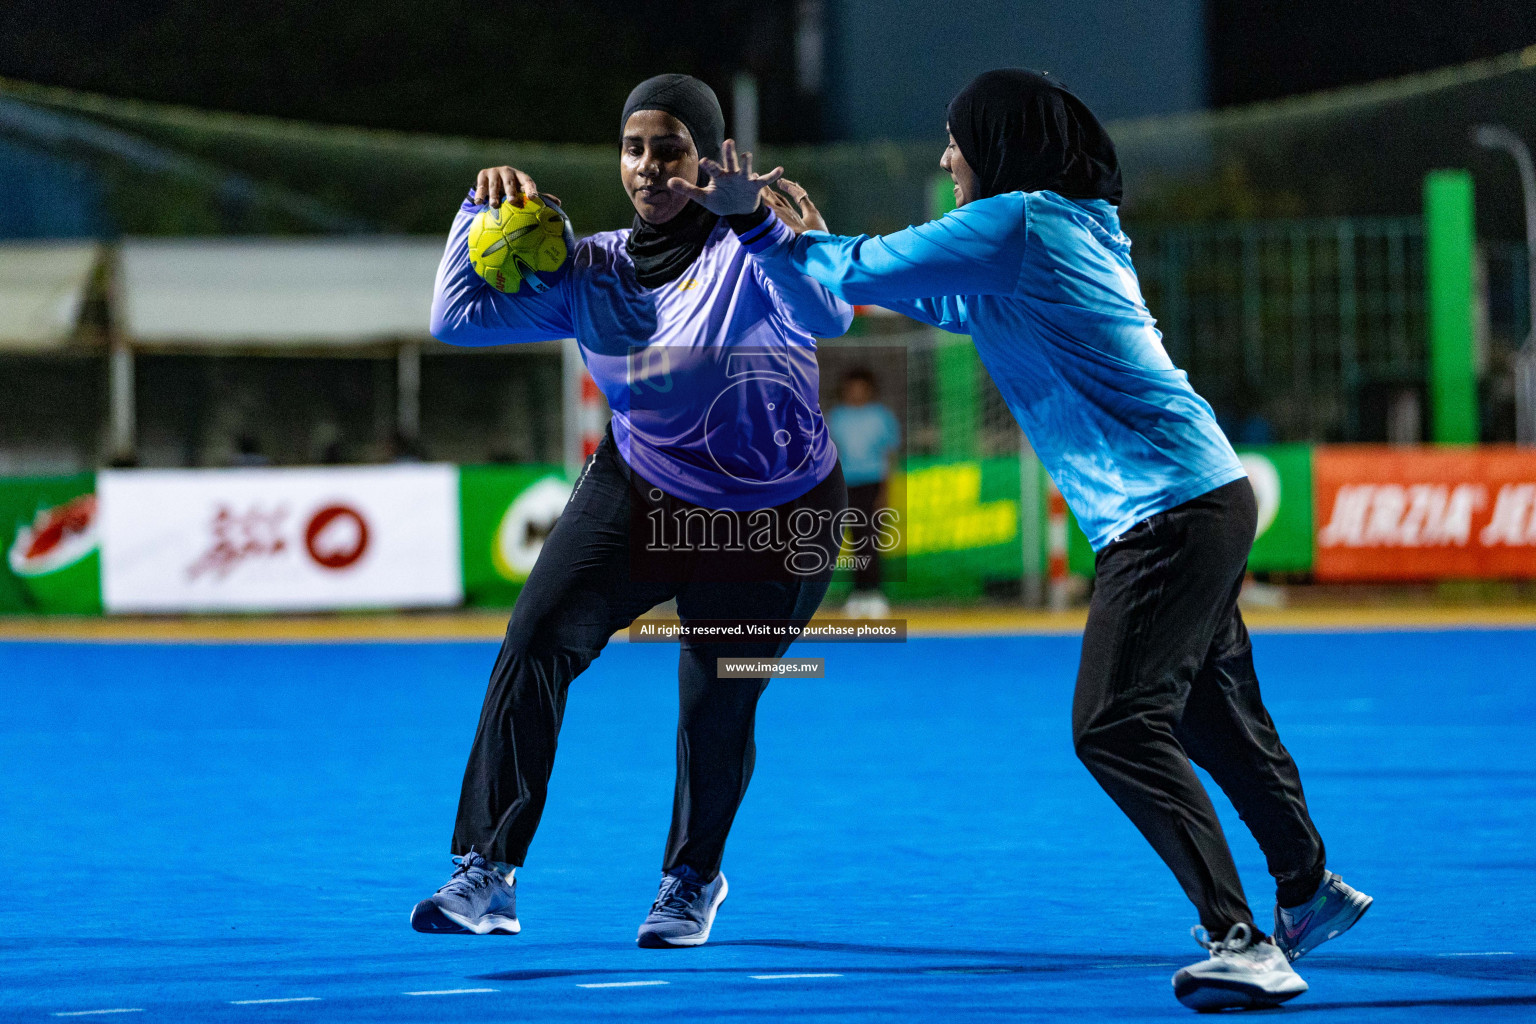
[280,539]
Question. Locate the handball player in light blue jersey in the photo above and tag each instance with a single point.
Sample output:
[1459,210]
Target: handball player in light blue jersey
[1034,266]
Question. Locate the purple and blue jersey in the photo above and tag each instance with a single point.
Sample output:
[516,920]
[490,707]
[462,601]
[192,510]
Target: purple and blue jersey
[1046,289]
[712,378]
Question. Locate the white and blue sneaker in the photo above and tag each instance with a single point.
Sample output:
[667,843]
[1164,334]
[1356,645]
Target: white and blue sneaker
[684,910]
[478,899]
[1239,974]
[1332,911]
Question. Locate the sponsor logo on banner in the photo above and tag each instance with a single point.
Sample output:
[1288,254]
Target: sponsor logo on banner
[336,537]
[528,521]
[57,538]
[53,561]
[1399,514]
[298,539]
[1265,479]
[506,514]
[946,511]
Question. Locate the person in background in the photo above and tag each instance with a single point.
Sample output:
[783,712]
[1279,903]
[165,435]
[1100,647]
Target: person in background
[868,438]
[248,453]
[402,447]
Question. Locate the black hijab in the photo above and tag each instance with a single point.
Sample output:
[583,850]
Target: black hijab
[663,251]
[1022,132]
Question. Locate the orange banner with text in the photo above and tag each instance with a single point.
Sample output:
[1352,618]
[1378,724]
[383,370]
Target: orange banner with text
[1385,513]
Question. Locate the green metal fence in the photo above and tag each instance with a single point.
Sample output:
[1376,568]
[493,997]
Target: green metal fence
[1292,327]
[1294,330]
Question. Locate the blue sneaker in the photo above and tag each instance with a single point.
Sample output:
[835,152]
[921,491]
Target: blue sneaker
[684,910]
[477,899]
[1332,911]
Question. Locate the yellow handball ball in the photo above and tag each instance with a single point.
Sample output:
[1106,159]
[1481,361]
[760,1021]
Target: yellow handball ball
[511,245]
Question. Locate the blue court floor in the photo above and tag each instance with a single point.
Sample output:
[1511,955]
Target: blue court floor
[237,833]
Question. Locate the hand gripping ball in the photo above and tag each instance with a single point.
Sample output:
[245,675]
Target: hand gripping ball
[511,245]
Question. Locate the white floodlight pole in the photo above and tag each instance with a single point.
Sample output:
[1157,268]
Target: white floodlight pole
[1493,136]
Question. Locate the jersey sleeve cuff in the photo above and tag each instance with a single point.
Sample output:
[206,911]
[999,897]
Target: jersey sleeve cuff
[759,230]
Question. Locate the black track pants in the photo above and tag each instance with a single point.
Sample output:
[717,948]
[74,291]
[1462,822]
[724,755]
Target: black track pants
[1167,677]
[580,592]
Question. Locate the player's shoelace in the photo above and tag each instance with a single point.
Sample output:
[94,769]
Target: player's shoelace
[1239,937]
[676,896]
[468,876]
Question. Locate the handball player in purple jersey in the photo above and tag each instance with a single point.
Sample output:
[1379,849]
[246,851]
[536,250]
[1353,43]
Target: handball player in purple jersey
[717,486]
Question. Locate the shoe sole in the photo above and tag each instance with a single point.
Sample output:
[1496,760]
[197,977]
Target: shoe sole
[1208,995]
[430,919]
[1334,928]
[650,940]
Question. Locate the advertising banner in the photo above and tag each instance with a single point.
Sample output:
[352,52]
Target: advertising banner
[280,539]
[506,512]
[959,530]
[50,535]
[1425,513]
[1281,475]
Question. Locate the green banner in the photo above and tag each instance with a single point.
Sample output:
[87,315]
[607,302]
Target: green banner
[505,512]
[1079,553]
[49,535]
[1281,475]
[959,529]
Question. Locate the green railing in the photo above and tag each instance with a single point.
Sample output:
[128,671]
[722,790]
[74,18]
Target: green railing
[1296,321]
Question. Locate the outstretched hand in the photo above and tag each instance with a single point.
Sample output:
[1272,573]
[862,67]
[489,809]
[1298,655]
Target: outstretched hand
[733,188]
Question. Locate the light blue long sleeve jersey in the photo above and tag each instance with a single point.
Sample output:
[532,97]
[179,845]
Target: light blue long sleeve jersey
[1046,288]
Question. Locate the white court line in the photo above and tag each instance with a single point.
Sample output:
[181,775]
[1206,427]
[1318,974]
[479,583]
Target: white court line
[449,992]
[1502,952]
[619,984]
[290,999]
[776,977]
[87,1013]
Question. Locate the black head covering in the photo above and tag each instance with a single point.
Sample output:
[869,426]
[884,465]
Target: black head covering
[687,99]
[661,252]
[1022,132]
